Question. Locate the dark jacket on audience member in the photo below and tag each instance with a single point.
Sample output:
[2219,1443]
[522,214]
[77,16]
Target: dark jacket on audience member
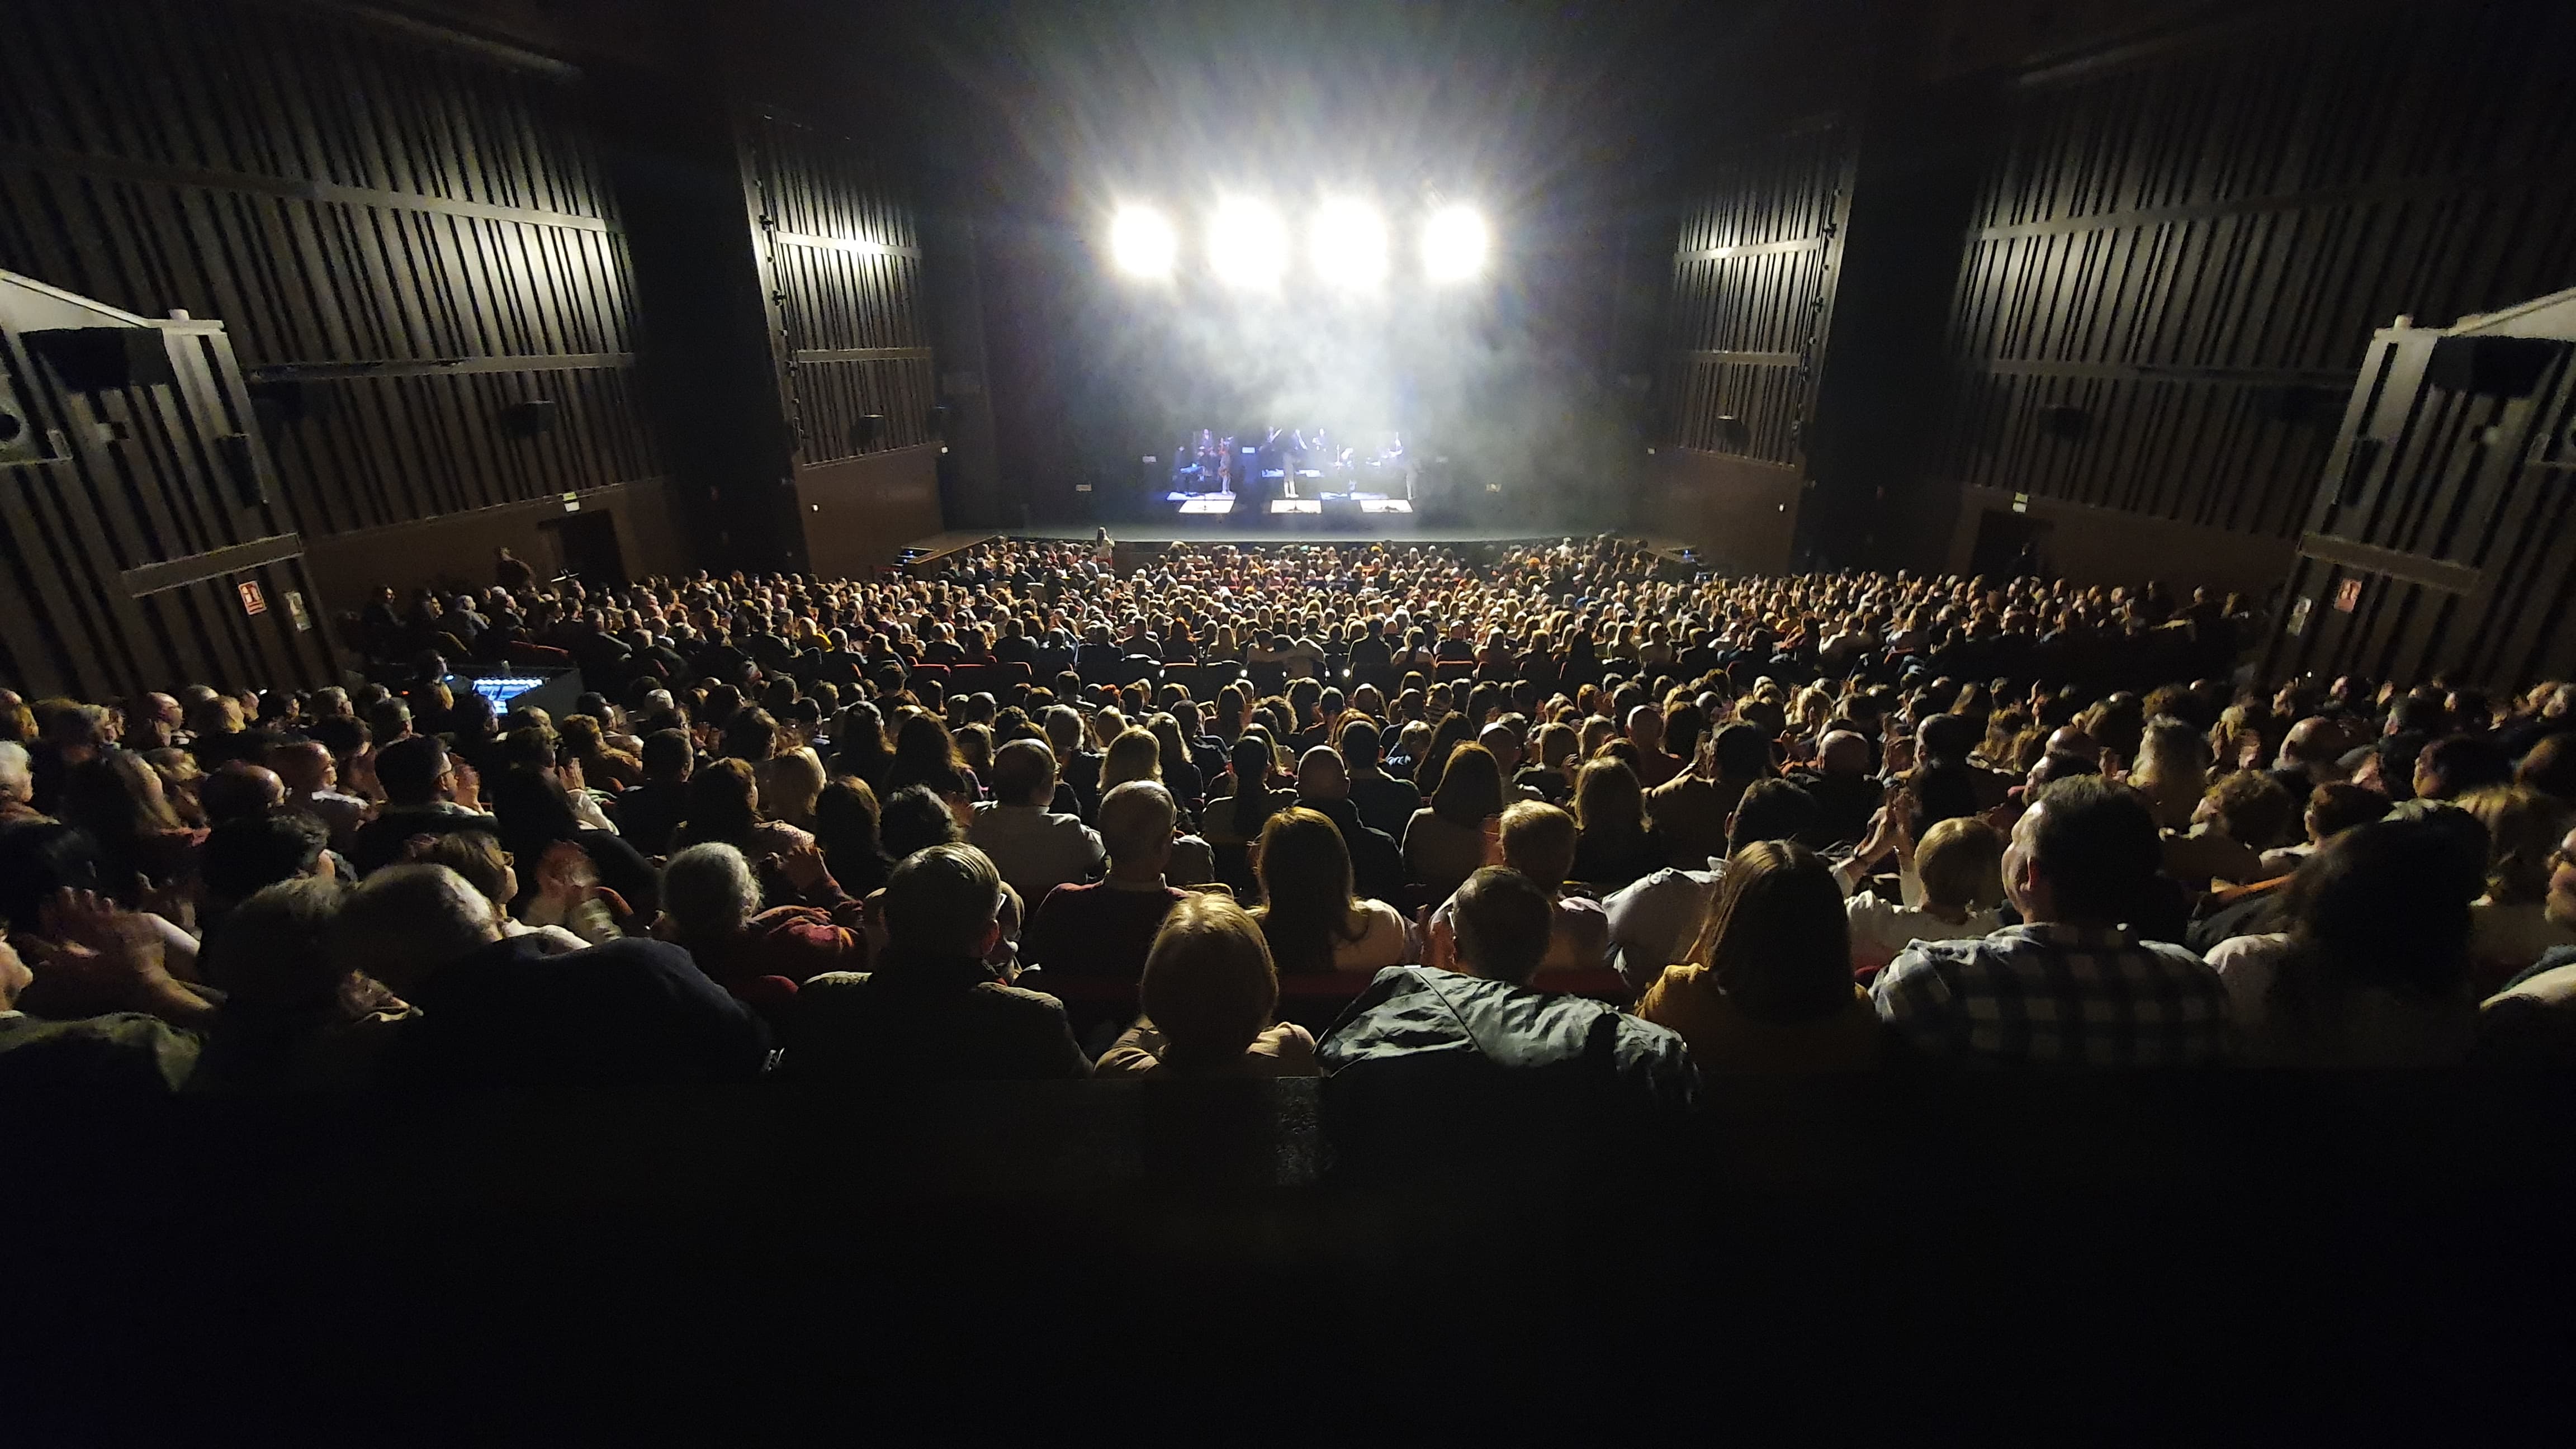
[1431,1071]
[630,1012]
[941,1020]
[1377,865]
[1384,802]
[649,814]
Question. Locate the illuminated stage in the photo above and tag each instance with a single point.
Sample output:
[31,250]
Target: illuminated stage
[1356,514]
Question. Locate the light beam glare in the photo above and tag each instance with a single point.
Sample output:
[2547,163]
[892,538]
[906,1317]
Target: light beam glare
[1454,244]
[1141,242]
[1348,245]
[1247,244]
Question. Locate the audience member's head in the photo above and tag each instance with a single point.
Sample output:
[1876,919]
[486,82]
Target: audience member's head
[1739,754]
[1608,802]
[1471,787]
[709,893]
[1024,774]
[275,952]
[2085,853]
[1360,743]
[915,819]
[17,777]
[1772,809]
[405,923]
[2377,908]
[2523,830]
[248,852]
[943,902]
[413,770]
[1209,985]
[1502,919]
[668,755]
[1305,872]
[1842,753]
[305,767]
[2252,808]
[2451,767]
[2334,809]
[1777,940]
[1321,776]
[1136,821]
[476,855]
[1948,739]
[1538,840]
[1960,863]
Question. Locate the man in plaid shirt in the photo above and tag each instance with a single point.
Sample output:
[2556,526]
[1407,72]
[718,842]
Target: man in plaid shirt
[2071,986]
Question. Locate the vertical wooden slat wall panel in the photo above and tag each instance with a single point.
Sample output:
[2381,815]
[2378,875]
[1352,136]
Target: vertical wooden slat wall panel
[325,185]
[2452,513]
[1752,279]
[370,283]
[845,261]
[2191,250]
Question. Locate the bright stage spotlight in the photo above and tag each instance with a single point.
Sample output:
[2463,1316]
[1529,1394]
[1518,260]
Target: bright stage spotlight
[1141,242]
[1454,243]
[1349,245]
[1247,245]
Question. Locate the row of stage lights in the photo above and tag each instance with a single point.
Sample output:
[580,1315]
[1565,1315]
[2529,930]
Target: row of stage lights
[1347,244]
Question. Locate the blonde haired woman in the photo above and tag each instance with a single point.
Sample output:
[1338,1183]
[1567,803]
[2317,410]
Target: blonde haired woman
[1209,992]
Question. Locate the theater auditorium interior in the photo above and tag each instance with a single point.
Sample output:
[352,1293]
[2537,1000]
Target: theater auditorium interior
[1126,621]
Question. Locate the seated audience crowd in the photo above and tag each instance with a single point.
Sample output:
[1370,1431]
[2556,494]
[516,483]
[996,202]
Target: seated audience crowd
[1407,818]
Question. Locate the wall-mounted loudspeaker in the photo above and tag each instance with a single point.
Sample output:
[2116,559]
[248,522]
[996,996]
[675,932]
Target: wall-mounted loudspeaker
[2492,366]
[95,359]
[528,418]
[868,431]
[1733,432]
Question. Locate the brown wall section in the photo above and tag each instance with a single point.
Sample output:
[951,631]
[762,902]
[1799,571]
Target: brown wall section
[860,512]
[2108,546]
[456,550]
[1739,513]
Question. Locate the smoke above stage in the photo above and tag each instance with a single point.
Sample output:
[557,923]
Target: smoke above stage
[1428,222]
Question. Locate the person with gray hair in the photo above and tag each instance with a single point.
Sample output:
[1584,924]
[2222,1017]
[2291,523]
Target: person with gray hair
[1035,848]
[933,1009]
[711,905]
[501,1012]
[17,785]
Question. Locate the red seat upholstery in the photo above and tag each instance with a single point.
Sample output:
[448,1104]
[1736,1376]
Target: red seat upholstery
[538,656]
[995,679]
